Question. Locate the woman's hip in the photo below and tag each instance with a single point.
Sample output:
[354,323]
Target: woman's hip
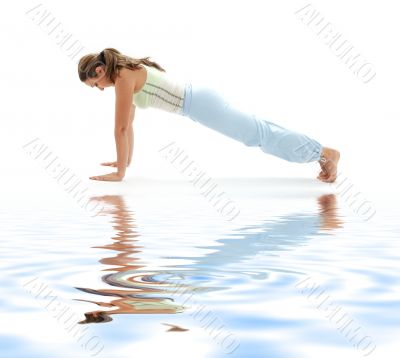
[201,101]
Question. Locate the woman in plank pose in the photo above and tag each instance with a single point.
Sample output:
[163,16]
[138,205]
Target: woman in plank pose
[144,83]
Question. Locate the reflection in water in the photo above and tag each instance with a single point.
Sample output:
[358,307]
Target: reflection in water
[143,292]
[132,300]
[175,328]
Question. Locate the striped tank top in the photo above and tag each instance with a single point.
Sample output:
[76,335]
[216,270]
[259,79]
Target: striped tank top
[160,91]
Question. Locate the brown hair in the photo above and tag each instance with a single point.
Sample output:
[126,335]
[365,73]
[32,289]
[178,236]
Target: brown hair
[113,60]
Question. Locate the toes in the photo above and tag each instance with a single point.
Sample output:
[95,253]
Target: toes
[331,178]
[323,176]
[326,179]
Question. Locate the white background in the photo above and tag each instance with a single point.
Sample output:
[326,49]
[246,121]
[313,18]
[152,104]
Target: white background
[264,59]
[258,53]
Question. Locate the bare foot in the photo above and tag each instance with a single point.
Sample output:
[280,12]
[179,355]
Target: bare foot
[328,163]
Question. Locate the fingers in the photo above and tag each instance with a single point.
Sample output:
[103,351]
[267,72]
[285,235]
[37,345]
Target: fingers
[98,177]
[110,164]
[105,177]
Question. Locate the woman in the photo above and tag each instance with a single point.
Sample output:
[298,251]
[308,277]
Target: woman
[143,83]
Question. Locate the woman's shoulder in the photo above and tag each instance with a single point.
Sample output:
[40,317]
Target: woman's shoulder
[137,75]
[128,72]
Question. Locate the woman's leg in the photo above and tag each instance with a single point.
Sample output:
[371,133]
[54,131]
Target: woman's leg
[208,107]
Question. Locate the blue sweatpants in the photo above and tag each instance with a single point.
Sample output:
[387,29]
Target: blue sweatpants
[208,107]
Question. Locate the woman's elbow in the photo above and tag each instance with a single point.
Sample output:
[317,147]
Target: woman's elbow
[121,130]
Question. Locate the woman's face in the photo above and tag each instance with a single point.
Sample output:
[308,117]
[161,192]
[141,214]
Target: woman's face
[100,81]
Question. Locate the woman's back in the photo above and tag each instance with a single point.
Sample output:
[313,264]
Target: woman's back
[160,91]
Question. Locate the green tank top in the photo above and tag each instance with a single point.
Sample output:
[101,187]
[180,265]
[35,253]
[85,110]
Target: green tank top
[160,91]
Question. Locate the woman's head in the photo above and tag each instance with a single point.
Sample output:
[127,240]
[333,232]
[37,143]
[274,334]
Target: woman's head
[101,69]
[92,71]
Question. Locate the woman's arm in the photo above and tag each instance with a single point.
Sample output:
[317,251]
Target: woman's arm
[130,141]
[124,89]
[130,134]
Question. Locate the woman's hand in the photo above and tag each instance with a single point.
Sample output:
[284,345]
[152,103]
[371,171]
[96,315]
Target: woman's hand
[115,176]
[109,164]
[112,164]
